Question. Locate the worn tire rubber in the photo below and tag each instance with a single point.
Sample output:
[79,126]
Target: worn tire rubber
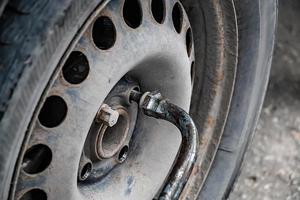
[35,34]
[256,21]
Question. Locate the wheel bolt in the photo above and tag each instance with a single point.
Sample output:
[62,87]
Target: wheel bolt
[85,168]
[123,154]
[86,171]
[107,116]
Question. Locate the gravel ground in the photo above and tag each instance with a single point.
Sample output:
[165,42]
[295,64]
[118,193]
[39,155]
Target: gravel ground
[272,166]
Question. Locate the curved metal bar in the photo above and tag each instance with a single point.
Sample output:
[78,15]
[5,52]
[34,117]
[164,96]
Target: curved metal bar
[155,106]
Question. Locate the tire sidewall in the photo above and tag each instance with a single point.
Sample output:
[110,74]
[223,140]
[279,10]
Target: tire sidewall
[256,27]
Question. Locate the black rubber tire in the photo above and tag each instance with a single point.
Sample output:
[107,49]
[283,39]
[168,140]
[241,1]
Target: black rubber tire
[256,21]
[35,34]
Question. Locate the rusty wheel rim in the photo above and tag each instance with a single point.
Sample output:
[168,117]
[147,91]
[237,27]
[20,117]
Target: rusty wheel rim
[172,46]
[114,43]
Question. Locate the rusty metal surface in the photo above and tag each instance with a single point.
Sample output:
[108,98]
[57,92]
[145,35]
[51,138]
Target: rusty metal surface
[150,57]
[216,51]
[145,64]
[116,108]
[154,105]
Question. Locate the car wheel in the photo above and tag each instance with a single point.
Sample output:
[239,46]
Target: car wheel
[69,131]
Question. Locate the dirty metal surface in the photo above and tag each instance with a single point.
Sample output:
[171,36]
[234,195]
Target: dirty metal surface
[147,57]
[154,105]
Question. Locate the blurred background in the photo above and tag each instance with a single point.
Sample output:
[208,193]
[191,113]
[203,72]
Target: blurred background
[272,166]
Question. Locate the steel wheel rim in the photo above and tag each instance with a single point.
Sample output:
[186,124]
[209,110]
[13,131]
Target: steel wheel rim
[223,52]
[67,91]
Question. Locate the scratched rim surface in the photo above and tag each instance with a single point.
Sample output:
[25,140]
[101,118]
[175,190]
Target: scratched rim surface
[155,49]
[136,45]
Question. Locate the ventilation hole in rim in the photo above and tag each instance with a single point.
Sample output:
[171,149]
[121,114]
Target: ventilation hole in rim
[34,194]
[104,33]
[53,112]
[158,10]
[188,40]
[132,13]
[193,72]
[76,68]
[177,17]
[37,159]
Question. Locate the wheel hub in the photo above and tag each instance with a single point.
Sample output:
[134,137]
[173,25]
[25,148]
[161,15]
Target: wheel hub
[107,143]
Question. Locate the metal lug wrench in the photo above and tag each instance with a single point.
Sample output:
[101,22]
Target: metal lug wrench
[154,105]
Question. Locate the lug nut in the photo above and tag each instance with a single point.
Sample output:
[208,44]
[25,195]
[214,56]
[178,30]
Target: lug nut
[112,134]
[107,116]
